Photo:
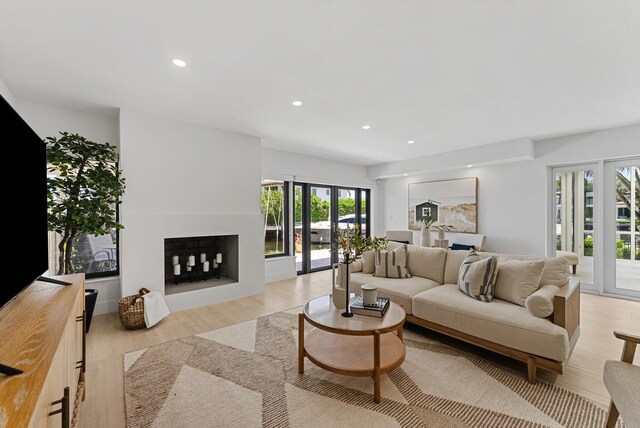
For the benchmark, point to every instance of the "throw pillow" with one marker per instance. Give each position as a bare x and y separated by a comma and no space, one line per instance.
540,303
477,276
392,264
462,247
368,262
518,279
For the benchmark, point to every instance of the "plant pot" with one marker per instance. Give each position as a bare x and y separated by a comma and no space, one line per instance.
425,238
90,298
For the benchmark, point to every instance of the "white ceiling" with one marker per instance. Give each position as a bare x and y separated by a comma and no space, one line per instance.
448,75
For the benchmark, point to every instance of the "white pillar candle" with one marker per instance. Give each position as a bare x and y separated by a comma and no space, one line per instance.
205,266
203,257
176,269
188,268
176,260
219,258
192,261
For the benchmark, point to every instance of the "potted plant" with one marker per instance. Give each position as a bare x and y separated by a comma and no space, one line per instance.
351,244
84,188
425,225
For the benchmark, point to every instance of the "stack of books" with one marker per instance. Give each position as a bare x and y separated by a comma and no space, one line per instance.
376,310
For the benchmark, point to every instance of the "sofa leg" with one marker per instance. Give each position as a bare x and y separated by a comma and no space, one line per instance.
574,268
531,369
612,415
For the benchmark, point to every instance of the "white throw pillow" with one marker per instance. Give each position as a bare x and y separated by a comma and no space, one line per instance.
369,262
518,279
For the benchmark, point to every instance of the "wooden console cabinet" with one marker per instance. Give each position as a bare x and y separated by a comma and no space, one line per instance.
42,333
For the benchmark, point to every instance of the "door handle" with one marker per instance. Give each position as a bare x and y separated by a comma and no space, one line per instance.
64,408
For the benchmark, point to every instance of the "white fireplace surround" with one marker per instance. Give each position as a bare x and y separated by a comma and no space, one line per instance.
142,254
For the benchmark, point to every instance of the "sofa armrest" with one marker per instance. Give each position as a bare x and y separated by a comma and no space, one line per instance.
566,307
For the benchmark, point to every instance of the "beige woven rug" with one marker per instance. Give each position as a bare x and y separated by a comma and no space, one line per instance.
246,375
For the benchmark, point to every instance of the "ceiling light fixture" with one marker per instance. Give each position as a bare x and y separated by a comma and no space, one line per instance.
405,174
366,127
178,62
469,166
410,142
297,103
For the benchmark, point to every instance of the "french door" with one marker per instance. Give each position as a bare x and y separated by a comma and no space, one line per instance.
319,211
622,228
596,211
575,212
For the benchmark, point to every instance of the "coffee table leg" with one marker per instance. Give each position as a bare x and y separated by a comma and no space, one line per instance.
376,366
401,332
301,343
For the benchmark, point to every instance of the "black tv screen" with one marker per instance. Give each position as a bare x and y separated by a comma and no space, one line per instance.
25,204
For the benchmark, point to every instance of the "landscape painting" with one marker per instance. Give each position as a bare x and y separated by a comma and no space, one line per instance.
449,202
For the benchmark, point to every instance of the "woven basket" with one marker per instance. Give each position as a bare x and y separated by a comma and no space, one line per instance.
131,310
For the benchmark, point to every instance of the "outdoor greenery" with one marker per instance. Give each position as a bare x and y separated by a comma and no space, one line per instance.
84,189
272,208
320,209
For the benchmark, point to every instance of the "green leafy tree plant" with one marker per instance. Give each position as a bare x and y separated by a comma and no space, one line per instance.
84,187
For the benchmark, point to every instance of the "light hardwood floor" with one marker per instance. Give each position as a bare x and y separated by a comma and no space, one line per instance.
108,341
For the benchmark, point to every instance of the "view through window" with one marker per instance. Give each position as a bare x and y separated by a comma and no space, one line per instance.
274,208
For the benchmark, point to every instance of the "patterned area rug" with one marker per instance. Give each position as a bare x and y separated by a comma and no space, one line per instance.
246,375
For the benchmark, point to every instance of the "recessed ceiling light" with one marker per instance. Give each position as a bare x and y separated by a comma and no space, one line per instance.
405,174
366,126
178,62
297,103
469,166
410,142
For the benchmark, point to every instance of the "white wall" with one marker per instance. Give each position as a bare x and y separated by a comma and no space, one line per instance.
7,94
278,164
188,180
47,121
512,198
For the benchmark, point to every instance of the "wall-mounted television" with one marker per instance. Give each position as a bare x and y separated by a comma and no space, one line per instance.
25,205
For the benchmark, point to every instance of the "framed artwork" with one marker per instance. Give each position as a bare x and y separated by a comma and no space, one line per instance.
450,202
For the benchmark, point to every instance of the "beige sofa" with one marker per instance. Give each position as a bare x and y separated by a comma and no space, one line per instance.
432,299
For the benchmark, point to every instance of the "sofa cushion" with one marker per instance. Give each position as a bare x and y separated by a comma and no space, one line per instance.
499,322
540,303
392,264
518,279
477,277
399,291
369,262
622,380
427,262
452,266
555,270
356,265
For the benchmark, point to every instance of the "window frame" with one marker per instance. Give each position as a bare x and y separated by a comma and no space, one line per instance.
116,271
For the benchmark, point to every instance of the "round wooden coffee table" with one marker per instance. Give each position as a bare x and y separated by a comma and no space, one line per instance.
357,346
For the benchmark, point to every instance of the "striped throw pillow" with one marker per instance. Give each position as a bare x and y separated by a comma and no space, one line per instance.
392,264
477,277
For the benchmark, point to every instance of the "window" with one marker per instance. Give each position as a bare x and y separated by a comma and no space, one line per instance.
275,209
95,256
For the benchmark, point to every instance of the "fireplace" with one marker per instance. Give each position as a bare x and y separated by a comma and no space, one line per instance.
198,262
